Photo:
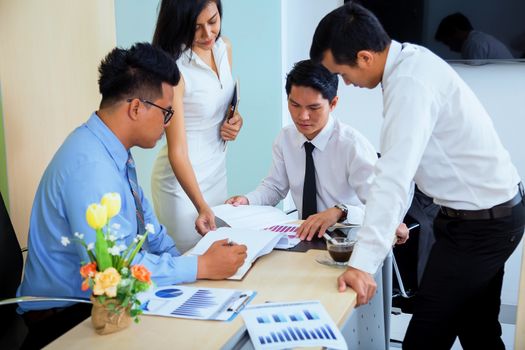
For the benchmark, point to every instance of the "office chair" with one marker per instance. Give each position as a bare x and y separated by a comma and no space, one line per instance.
411,258
12,326
400,291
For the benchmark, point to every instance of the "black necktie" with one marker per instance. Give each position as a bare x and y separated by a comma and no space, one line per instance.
133,184
309,189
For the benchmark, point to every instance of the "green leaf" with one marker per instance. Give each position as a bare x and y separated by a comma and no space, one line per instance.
101,250
137,248
91,256
135,312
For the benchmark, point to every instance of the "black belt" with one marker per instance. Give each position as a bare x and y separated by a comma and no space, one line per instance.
499,211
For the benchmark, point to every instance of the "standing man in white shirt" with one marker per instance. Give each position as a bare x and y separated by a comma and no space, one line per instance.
343,158
437,133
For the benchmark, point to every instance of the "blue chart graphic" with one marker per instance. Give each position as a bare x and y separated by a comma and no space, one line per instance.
168,293
202,299
290,332
263,319
279,318
295,318
311,315
293,333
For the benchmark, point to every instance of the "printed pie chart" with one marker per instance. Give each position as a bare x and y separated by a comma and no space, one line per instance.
168,293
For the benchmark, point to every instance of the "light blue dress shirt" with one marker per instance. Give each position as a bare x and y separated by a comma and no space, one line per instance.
90,163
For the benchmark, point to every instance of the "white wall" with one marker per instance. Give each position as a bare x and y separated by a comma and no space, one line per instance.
50,54
256,62
500,87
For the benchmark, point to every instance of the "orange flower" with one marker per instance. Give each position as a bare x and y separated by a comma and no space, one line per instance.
141,273
88,270
85,285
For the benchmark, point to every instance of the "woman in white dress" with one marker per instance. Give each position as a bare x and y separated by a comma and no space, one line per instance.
189,174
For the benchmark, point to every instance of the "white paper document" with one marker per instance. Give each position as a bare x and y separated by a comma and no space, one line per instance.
195,302
288,239
291,325
250,216
260,217
259,243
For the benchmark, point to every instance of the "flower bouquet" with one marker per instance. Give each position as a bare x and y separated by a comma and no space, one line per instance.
108,273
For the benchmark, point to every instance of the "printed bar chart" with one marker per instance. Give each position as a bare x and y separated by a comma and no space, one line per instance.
288,231
296,333
201,300
193,302
282,228
286,325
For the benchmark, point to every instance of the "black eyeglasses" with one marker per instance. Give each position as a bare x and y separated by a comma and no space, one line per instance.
168,113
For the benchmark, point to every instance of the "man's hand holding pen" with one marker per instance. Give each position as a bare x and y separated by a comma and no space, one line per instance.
221,260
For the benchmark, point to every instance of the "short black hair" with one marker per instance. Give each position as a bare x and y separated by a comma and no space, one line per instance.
451,24
313,75
137,72
347,30
175,28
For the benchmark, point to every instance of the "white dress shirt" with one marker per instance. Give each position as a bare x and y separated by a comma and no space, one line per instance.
344,162
436,132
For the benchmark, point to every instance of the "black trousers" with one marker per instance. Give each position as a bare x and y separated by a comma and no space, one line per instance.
46,325
459,295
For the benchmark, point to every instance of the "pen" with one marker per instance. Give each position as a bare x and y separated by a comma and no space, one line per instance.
244,298
243,304
412,226
230,242
329,238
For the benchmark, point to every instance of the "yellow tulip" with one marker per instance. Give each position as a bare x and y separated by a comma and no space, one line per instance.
96,216
112,203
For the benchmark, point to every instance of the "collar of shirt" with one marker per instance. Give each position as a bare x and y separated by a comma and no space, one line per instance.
112,144
391,59
192,57
321,139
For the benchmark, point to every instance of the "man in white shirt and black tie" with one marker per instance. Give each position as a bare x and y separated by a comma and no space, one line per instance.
436,133
327,165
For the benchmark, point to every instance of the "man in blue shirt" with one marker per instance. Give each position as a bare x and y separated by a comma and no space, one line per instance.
137,93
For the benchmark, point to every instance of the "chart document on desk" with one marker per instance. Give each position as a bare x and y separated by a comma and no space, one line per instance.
194,302
290,325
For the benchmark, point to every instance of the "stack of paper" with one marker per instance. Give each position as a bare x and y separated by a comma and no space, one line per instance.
291,325
260,217
250,216
194,302
259,243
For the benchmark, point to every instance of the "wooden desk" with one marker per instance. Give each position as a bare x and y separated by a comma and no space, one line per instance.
279,276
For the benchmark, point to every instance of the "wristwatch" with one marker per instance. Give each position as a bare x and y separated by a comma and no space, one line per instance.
344,209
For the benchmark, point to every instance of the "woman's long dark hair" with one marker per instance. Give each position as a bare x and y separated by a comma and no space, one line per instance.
175,29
